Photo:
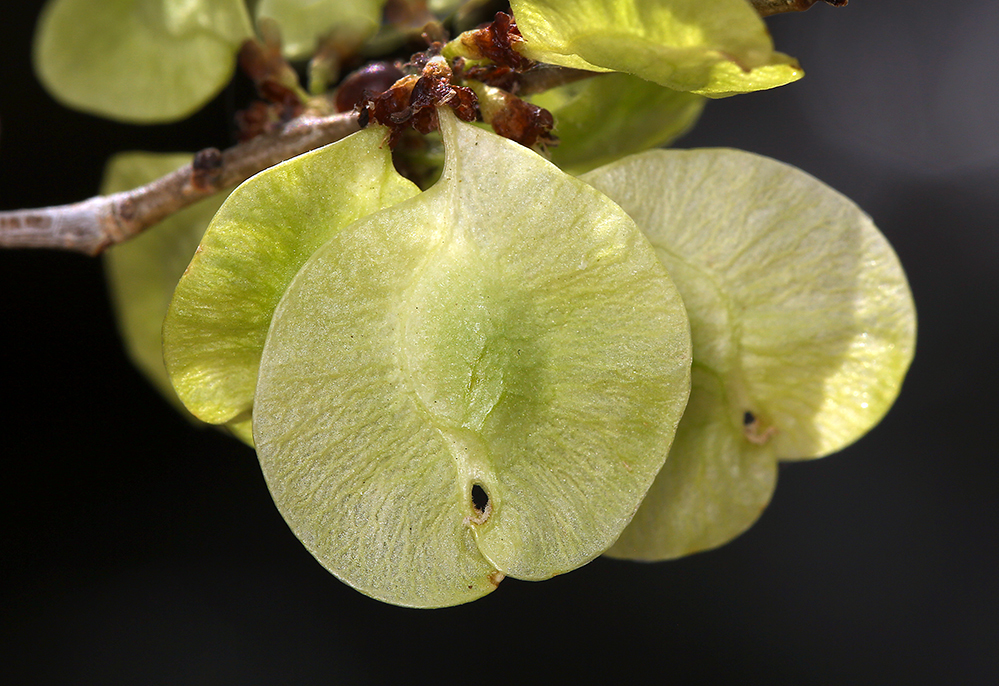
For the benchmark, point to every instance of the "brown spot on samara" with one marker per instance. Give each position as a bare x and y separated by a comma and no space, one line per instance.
755,431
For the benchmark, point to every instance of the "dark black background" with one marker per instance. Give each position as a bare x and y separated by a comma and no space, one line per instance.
137,549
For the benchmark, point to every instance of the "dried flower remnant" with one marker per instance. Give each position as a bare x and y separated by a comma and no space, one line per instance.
493,59
494,42
276,82
518,119
412,101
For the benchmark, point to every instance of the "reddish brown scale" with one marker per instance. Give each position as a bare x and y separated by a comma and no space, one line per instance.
370,80
465,104
255,60
524,123
388,106
271,74
412,102
495,41
418,61
285,98
433,87
274,79
425,121
253,121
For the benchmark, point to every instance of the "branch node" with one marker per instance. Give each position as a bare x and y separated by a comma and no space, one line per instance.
206,169
92,225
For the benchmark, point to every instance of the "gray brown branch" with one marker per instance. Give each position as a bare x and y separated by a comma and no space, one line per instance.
768,7
92,225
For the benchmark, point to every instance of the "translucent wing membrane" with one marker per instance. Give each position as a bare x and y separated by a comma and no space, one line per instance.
479,382
141,61
713,48
802,322
217,322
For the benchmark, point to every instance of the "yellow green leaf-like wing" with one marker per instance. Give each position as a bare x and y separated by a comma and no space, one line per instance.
714,484
304,23
605,118
712,48
268,227
479,382
802,322
140,61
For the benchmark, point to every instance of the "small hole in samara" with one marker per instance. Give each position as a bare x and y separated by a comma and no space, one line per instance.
480,499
